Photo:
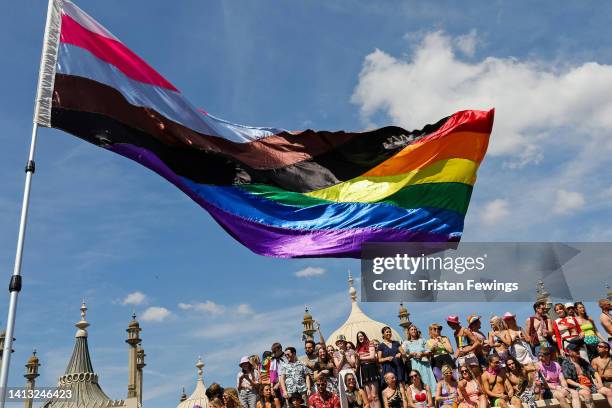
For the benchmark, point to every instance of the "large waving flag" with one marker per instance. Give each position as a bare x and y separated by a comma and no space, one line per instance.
280,193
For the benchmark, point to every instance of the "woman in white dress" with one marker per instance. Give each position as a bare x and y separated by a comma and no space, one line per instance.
519,347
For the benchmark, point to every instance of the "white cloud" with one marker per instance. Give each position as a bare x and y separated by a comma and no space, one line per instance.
495,211
530,97
568,201
244,309
209,307
467,43
155,314
310,271
134,298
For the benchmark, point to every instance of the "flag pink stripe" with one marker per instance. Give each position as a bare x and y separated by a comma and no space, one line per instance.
111,51
85,20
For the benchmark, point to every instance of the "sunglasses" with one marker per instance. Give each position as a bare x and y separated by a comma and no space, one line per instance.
437,329
414,376
465,372
602,346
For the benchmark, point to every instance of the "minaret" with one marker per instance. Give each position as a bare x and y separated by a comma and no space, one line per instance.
404,318
308,324
352,290
183,395
543,295
140,364
31,374
133,332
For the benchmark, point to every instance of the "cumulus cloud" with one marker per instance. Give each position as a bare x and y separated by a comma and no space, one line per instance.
208,307
310,271
532,98
568,201
134,298
244,309
155,314
495,211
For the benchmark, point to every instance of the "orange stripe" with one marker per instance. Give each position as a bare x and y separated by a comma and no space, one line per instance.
462,145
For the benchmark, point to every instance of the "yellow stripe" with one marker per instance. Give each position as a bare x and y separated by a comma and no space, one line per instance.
368,189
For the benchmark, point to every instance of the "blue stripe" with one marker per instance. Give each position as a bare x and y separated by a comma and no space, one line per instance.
327,216
77,61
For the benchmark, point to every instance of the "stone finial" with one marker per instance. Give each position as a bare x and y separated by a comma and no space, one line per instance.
200,365
82,325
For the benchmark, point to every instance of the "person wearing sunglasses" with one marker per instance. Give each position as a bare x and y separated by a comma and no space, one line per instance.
418,393
471,394
446,390
603,363
441,350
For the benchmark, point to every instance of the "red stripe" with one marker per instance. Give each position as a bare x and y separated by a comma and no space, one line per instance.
111,51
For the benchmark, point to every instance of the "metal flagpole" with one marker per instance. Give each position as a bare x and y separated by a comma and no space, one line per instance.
41,116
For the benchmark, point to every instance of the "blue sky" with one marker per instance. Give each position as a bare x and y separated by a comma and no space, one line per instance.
101,227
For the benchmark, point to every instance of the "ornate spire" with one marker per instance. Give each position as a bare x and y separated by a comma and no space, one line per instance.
308,324
82,325
183,395
200,365
32,367
352,290
404,318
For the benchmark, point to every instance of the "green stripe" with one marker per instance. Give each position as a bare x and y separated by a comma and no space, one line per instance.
448,196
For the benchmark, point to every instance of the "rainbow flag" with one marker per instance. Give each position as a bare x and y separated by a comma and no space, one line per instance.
280,193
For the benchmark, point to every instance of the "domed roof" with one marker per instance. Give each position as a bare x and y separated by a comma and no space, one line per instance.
198,398
358,321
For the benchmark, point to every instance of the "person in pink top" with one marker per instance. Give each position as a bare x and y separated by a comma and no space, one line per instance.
551,380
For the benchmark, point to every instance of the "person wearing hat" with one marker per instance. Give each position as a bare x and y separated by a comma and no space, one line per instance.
345,362
519,347
467,342
603,363
247,381
581,376
441,350
570,309
475,324
567,330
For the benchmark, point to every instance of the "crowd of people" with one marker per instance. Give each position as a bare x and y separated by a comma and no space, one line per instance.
566,358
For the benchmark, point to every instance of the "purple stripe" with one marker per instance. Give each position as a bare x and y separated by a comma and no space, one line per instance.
281,242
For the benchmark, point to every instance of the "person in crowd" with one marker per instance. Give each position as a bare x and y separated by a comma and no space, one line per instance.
603,363
345,361
519,347
256,364
523,381
538,328
310,356
230,398
355,396
296,400
470,391
350,345
276,361
467,343
475,325
325,365
552,381
570,309
393,395
567,331
294,375
323,398
591,335
376,343
247,381
418,393
419,354
604,318
477,373
214,393
266,398
497,387
446,389
368,371
499,339
581,376
330,351
390,357
264,367
441,350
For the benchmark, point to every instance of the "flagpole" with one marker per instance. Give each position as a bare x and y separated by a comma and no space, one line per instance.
42,111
